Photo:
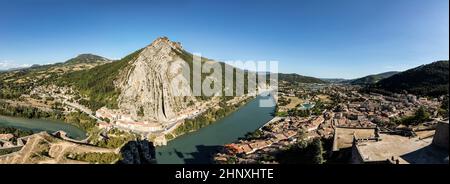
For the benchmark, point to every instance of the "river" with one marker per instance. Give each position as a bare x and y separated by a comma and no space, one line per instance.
197,147
38,125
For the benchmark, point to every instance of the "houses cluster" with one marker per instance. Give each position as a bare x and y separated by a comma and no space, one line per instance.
361,126
366,110
114,118
360,132
277,134
143,126
122,120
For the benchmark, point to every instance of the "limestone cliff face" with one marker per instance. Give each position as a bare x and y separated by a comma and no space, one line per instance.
150,87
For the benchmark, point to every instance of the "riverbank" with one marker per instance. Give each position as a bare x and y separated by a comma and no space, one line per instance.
78,119
207,118
38,125
199,146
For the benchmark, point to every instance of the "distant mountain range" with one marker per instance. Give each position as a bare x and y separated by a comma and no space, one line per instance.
333,80
12,69
371,79
96,76
427,80
296,78
80,59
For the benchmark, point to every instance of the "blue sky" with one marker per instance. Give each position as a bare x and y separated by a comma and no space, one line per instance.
321,38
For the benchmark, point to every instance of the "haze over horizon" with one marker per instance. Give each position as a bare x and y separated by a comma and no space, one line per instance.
324,39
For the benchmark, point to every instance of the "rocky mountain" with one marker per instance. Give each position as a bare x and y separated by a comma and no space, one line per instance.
147,88
147,83
154,86
371,79
427,80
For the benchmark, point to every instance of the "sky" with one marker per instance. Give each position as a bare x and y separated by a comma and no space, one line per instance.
320,38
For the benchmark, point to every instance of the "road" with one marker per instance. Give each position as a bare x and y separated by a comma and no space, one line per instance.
82,109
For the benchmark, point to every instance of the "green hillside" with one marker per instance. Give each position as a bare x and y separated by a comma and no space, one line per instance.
371,79
426,80
295,78
98,83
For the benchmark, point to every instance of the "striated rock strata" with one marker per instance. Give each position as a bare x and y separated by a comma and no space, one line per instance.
150,87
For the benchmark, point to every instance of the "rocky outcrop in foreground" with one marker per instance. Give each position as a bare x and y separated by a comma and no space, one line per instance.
138,152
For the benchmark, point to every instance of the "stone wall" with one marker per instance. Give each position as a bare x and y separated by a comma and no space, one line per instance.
440,138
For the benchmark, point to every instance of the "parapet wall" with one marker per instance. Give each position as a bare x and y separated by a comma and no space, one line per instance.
440,138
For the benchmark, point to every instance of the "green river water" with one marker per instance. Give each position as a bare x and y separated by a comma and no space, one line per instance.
38,125
197,147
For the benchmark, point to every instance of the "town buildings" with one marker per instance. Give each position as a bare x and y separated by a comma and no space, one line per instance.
363,128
